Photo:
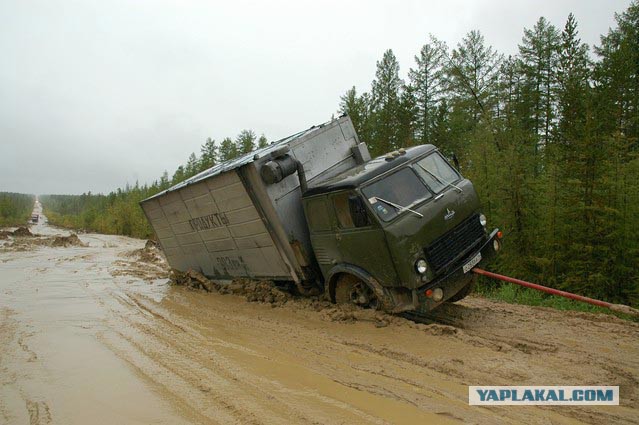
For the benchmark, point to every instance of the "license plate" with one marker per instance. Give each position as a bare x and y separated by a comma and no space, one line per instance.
472,263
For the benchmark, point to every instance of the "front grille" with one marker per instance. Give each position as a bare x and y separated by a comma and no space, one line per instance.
454,244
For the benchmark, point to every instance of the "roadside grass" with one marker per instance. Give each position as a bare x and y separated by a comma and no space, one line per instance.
515,294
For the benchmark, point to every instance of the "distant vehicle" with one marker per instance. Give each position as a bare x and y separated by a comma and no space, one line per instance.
34,218
400,232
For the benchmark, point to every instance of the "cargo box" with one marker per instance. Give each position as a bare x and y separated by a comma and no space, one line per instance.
228,222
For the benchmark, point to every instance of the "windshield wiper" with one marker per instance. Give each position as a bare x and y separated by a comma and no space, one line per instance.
399,207
439,180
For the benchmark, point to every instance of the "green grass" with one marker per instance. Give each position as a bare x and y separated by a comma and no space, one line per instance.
515,294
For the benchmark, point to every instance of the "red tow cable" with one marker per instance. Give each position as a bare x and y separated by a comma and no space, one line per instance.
615,307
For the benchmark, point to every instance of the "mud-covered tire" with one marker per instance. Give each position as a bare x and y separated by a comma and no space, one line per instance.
352,290
464,292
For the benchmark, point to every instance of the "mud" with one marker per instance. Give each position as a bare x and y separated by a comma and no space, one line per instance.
98,334
66,241
22,241
22,232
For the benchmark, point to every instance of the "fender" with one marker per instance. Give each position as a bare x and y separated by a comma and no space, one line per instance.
382,294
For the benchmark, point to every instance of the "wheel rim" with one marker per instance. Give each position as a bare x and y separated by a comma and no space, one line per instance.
351,290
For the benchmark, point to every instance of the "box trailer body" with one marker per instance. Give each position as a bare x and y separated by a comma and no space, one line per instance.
227,223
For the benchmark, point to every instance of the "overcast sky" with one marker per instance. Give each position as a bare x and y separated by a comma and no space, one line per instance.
95,94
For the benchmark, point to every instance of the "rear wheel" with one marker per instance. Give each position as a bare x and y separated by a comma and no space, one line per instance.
464,292
352,290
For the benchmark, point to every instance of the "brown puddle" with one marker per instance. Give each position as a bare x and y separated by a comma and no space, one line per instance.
95,334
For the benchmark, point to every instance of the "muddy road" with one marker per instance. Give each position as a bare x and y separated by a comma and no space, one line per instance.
92,333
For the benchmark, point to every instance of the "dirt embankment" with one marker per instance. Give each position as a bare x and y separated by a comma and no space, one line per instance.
98,332
22,239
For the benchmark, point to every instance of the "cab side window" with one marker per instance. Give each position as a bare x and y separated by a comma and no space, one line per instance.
350,211
318,215
342,211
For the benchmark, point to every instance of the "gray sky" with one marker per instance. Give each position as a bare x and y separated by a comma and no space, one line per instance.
95,94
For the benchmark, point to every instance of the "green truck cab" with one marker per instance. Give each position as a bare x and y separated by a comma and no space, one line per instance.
400,232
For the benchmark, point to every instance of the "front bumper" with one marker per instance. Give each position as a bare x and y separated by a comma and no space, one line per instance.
456,279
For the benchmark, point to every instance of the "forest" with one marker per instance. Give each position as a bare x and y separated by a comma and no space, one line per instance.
15,208
548,136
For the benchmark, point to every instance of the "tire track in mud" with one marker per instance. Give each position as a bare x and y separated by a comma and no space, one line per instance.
201,326
16,350
39,413
392,386
188,360
503,367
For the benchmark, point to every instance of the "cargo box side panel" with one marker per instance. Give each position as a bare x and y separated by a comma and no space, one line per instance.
164,232
217,230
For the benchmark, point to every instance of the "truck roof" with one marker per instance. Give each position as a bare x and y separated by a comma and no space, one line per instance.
242,160
360,174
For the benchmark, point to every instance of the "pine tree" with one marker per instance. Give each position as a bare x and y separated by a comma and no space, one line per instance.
245,141
617,75
208,154
357,108
179,175
427,82
262,142
228,150
582,221
539,54
192,166
385,106
406,117
473,76
164,181
616,94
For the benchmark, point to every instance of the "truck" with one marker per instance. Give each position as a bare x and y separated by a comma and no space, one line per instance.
399,233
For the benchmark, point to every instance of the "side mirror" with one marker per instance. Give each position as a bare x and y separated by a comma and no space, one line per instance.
358,211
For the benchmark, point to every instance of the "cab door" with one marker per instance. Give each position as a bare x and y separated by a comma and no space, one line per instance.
321,223
360,239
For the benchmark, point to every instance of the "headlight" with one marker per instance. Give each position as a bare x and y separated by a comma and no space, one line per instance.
421,266
482,220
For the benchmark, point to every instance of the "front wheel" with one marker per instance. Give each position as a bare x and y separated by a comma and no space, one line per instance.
464,292
352,290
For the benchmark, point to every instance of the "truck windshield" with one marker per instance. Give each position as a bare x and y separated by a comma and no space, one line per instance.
402,188
436,172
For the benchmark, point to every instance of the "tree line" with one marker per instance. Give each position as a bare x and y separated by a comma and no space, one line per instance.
15,208
119,211
549,137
